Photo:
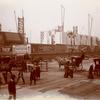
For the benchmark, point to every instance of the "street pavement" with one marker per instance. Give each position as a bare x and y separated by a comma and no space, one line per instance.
53,86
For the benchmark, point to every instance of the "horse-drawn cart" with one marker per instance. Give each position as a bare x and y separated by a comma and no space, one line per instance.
76,62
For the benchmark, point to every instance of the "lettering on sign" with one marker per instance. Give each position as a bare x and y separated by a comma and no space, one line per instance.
46,48
6,49
21,49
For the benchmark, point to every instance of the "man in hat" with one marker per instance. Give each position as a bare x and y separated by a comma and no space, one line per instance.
12,88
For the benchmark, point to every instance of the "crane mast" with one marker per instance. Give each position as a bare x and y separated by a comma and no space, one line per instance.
15,21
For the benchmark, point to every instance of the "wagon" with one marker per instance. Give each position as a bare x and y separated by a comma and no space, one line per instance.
76,62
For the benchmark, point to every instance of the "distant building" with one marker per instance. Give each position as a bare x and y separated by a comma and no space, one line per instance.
80,39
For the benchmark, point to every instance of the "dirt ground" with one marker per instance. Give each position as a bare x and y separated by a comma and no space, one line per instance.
77,88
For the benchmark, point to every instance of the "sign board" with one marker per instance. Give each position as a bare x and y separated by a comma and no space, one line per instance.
45,48
21,49
42,48
6,49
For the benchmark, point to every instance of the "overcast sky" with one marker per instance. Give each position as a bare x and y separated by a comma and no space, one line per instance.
44,15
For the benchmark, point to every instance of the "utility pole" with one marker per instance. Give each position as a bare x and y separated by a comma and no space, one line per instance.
15,21
91,32
62,37
90,21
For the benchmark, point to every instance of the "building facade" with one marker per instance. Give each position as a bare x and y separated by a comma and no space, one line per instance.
79,39
7,39
10,38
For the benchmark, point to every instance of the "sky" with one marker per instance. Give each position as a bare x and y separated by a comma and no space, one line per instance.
45,15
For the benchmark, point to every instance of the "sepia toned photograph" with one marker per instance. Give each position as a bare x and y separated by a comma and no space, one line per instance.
49,50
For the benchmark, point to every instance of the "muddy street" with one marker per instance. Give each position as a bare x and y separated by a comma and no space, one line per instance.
52,84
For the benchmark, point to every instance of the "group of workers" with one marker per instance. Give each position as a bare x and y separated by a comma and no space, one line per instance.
14,79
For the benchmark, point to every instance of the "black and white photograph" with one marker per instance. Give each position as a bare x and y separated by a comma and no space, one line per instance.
49,50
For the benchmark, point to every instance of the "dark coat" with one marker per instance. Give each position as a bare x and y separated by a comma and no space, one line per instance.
38,71
12,87
90,76
33,75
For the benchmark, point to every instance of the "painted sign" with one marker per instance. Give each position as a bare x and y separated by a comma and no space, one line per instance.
21,49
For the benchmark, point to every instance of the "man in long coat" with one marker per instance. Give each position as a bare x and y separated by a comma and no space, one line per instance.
12,88
33,76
